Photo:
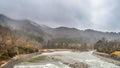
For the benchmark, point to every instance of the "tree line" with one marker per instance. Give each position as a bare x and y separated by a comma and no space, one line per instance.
68,43
106,46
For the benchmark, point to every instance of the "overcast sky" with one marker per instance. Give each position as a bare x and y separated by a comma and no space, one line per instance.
103,15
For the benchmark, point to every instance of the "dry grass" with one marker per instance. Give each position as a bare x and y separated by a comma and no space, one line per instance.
115,53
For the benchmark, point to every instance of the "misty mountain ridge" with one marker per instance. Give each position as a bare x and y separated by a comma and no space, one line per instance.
26,26
33,28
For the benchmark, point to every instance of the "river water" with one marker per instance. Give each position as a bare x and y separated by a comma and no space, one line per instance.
85,57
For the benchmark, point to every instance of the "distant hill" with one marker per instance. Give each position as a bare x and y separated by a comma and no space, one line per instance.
28,27
88,35
25,26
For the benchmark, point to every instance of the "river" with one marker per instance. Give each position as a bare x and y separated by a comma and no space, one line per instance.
85,57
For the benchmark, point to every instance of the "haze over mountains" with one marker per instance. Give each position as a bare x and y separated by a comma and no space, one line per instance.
30,27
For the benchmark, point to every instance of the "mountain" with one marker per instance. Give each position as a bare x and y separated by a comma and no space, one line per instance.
66,32
47,29
88,35
27,27
24,26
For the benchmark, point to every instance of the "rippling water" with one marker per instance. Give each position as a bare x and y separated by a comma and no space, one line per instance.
85,57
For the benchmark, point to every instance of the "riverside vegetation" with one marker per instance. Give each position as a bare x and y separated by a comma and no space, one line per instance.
12,44
109,47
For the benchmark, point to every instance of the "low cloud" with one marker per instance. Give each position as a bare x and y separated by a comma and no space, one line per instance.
82,14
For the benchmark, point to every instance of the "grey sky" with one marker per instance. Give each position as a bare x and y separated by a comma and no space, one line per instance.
83,14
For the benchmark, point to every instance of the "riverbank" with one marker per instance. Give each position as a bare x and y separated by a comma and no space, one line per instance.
107,57
9,63
17,59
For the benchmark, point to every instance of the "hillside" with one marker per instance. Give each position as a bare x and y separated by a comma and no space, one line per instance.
12,44
88,35
25,26
32,29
